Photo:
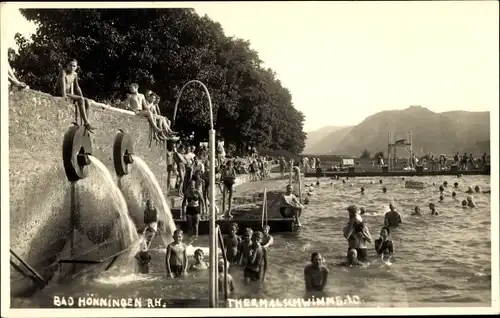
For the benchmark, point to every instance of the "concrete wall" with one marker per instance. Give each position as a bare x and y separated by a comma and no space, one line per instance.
40,191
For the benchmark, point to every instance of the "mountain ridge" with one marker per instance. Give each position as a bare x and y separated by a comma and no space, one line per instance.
447,132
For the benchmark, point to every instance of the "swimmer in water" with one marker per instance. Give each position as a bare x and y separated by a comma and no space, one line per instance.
143,258
432,207
445,184
384,246
176,259
343,181
416,211
384,189
454,195
464,204
477,189
392,218
255,268
232,244
229,281
380,181
455,184
441,189
149,234
362,211
244,250
315,274
317,183
199,263
362,190
469,190
357,235
306,200
470,202
441,198
267,239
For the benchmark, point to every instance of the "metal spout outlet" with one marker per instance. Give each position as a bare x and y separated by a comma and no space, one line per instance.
77,147
123,150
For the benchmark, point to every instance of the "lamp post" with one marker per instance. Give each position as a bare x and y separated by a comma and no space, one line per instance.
212,233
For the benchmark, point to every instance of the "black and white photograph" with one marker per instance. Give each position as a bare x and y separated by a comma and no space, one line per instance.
232,158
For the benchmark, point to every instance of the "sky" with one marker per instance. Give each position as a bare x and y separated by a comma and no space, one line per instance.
344,61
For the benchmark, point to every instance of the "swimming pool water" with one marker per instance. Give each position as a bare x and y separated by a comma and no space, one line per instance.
438,259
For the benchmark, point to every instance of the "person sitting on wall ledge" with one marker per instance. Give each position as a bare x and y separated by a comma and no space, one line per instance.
14,81
138,104
67,84
161,121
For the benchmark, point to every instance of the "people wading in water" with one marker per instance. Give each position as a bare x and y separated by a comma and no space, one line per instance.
228,178
357,235
176,260
392,218
192,207
290,206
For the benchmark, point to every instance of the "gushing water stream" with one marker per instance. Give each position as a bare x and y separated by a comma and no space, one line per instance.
125,226
158,198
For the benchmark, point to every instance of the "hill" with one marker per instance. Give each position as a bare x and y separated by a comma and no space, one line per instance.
448,132
313,137
328,143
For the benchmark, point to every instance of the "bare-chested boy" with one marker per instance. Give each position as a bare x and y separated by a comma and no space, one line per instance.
315,274
255,268
290,205
162,122
137,102
67,84
232,244
244,250
267,239
176,258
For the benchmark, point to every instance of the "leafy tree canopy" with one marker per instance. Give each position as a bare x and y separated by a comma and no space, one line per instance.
161,50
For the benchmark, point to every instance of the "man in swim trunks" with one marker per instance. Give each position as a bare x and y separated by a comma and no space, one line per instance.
232,244
67,84
228,178
357,234
290,206
255,268
392,218
176,259
180,162
384,246
315,274
192,207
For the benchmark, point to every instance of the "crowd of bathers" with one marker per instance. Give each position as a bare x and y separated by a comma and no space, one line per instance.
358,236
248,252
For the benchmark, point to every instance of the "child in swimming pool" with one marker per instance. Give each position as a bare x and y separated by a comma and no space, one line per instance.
232,244
176,259
199,264
416,211
464,204
432,207
383,245
244,249
143,258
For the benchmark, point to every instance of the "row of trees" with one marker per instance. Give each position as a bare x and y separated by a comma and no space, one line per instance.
162,49
367,155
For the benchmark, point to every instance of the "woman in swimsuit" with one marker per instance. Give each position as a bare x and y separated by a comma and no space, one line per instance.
228,177
192,208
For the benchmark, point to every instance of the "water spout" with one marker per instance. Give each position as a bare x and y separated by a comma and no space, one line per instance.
123,149
77,147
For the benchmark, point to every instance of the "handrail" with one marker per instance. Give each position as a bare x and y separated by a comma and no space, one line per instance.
224,257
37,277
264,209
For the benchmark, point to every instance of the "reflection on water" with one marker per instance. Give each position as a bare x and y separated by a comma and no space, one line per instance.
438,259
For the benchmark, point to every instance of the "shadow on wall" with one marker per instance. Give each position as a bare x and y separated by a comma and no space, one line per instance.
40,192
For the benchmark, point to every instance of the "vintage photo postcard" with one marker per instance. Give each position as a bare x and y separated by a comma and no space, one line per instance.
249,158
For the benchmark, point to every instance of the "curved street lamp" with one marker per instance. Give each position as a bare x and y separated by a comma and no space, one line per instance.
213,290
